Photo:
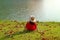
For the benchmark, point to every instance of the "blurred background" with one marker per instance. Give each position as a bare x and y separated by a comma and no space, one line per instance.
43,10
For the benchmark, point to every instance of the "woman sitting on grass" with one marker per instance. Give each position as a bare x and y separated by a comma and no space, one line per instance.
31,24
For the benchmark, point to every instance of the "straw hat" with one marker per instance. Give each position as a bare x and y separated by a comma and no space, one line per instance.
32,18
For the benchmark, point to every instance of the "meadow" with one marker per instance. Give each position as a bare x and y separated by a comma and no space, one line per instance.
14,30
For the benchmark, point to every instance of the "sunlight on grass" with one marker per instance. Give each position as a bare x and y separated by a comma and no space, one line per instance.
14,30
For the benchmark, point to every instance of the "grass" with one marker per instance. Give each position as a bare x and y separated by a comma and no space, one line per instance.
14,30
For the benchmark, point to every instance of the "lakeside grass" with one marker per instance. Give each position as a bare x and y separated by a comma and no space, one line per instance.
14,30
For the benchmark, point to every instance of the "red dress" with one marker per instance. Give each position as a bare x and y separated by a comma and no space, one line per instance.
31,27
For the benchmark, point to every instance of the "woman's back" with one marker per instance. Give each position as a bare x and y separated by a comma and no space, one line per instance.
31,26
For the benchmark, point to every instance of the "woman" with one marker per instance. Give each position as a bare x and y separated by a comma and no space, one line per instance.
31,24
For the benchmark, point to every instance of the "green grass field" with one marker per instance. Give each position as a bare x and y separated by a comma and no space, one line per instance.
14,30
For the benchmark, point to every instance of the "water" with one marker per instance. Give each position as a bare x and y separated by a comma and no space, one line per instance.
22,9
18,9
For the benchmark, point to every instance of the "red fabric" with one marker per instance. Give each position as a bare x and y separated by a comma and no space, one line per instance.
30,26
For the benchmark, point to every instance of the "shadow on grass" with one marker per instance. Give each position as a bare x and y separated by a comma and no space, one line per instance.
17,33
23,32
